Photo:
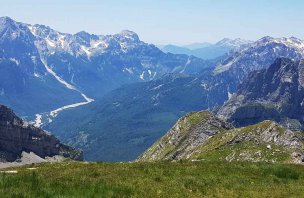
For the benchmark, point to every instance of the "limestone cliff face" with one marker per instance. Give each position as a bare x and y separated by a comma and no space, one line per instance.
202,136
17,136
274,94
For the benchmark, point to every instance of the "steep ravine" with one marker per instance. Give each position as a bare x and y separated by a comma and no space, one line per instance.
47,116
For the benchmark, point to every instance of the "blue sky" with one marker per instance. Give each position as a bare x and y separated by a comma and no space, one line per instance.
166,21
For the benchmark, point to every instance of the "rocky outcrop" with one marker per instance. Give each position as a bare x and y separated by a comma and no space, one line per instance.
202,136
186,135
276,93
266,141
17,136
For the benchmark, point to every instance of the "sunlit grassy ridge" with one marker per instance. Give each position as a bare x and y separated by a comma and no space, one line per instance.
161,179
201,136
220,148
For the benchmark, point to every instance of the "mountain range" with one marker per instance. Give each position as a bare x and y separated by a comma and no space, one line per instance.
53,69
207,50
114,95
143,112
265,98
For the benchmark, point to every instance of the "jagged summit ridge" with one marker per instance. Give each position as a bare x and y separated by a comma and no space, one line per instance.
261,53
81,43
237,43
44,58
129,35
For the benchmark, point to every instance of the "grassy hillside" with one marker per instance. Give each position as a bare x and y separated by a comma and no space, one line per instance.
162,179
265,141
185,136
202,136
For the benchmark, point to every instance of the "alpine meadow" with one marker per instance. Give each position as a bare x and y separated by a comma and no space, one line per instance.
151,99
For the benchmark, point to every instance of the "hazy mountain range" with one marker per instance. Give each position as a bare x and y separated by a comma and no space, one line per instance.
143,112
52,69
208,50
114,95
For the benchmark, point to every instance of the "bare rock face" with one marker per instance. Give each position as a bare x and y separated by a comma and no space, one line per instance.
266,141
276,93
17,136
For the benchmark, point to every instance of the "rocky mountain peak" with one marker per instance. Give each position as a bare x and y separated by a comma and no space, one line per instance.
9,29
233,43
42,31
265,39
128,35
6,21
85,37
291,42
276,81
275,93
260,54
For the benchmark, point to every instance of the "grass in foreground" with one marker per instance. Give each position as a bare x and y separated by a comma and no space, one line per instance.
163,179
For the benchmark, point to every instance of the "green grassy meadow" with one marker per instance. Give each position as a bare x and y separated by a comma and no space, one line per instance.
161,179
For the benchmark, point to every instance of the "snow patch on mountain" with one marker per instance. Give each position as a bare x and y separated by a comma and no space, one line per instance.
49,70
54,113
128,70
81,43
15,61
157,87
188,63
86,50
50,43
142,75
265,50
38,120
233,43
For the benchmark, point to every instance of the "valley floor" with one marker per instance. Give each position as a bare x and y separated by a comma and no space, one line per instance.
162,179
